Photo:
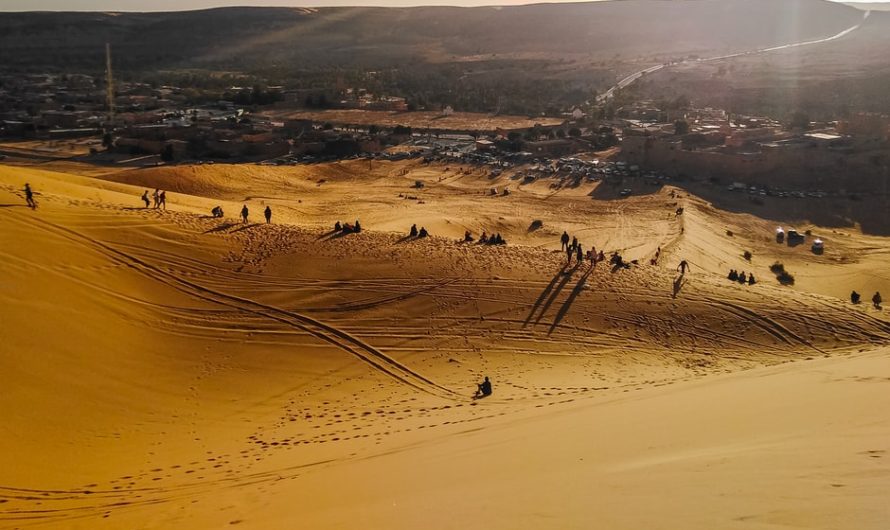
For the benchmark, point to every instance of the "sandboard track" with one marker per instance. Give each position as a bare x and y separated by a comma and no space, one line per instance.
320,330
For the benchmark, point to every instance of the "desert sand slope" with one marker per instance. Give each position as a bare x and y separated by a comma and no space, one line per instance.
163,369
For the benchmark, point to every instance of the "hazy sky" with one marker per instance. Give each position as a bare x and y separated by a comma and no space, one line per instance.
178,5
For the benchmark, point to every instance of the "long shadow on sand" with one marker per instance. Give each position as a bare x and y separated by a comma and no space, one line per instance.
679,282
221,228
544,294
567,276
569,301
246,227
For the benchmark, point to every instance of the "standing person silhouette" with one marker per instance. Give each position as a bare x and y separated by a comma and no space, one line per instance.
268,214
156,198
565,240
145,198
244,213
162,200
683,267
29,197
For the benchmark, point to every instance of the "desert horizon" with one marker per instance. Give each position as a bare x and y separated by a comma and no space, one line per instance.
623,272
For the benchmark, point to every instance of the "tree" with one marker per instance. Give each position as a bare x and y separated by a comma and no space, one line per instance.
681,127
799,120
167,153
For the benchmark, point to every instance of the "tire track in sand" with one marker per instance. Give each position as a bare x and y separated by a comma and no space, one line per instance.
342,340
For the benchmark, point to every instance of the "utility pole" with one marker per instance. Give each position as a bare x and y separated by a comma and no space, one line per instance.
109,81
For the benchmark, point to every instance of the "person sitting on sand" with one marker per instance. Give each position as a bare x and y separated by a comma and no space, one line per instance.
733,275
751,280
423,232
565,239
601,256
145,198
483,238
217,211
743,278
468,236
484,388
855,297
338,226
876,300
268,214
413,231
358,227
244,213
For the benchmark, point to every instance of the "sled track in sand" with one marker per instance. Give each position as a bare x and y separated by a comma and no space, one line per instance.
320,330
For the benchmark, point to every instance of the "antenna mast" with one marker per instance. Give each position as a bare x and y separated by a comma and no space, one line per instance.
109,80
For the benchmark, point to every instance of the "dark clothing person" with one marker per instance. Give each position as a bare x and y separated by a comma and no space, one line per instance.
574,243
565,240
751,280
601,256
156,198
733,275
743,278
468,236
484,388
855,297
683,267
268,214
337,226
244,213
483,238
217,211
162,200
358,227
29,197
413,231
423,232
569,254
876,300
579,254
145,198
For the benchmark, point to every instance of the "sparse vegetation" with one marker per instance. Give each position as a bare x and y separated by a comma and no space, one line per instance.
784,277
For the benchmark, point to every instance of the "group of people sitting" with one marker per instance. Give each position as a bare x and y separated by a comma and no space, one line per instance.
348,228
741,277
414,232
485,239
876,300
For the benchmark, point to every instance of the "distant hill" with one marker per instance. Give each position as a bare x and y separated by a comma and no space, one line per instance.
297,38
870,6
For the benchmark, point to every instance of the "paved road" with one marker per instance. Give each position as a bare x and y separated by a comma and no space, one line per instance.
608,94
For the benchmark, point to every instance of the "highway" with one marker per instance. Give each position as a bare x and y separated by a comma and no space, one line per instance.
630,79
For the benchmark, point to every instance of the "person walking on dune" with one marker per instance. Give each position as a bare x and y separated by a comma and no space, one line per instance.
565,240
569,251
683,267
156,198
268,214
244,213
579,255
574,242
162,200
876,300
29,197
145,198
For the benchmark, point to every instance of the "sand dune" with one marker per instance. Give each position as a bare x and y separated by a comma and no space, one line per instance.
163,369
